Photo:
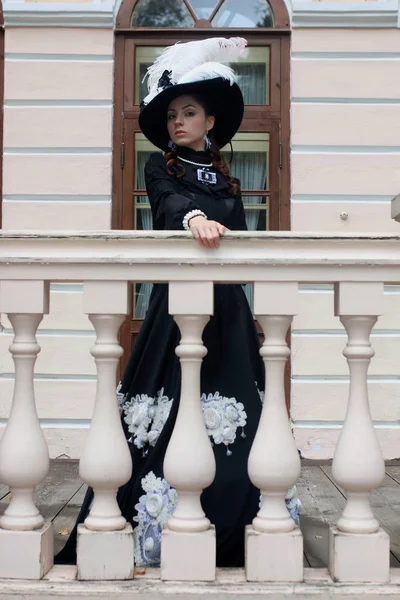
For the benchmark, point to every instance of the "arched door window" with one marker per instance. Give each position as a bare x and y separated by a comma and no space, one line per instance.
261,147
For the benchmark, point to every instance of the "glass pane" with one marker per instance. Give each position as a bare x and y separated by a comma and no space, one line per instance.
144,57
252,79
168,13
203,8
256,211
253,74
236,13
250,160
251,168
141,297
143,216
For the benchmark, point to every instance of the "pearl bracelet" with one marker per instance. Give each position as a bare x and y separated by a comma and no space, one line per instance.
190,215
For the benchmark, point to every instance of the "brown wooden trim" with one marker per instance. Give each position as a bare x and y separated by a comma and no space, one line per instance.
273,212
117,175
190,9
130,128
284,217
280,13
216,9
125,13
130,73
186,33
275,74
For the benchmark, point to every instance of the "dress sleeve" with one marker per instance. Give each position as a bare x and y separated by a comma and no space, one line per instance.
168,204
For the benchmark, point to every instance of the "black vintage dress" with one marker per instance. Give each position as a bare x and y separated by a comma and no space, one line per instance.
232,384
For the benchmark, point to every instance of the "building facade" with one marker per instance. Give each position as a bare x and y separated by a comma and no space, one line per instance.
318,151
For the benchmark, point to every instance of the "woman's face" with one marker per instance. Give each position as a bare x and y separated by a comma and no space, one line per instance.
188,123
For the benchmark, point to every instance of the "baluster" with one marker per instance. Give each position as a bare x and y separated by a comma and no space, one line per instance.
26,541
274,546
359,548
188,549
105,540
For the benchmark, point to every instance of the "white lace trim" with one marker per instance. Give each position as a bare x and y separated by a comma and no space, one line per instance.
154,509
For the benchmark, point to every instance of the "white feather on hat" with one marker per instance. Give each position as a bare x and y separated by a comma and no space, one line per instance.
194,61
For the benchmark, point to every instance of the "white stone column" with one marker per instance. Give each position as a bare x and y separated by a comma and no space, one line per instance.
105,540
26,541
274,545
359,548
188,549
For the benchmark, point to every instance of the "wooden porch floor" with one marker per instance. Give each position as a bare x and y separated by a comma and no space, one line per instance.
61,494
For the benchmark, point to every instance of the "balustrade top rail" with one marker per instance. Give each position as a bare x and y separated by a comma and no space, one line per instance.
161,256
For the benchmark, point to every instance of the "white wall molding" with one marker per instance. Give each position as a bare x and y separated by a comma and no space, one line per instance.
99,14
380,13
102,14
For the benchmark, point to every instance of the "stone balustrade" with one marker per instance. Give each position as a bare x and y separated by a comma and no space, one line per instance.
276,263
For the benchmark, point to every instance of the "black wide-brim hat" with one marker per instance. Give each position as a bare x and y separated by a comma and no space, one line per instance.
223,100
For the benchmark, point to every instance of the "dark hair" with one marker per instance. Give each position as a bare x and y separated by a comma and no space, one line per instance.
219,163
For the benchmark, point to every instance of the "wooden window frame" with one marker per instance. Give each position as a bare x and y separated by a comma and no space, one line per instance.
275,116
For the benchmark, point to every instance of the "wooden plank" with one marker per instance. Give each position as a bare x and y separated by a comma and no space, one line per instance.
3,490
394,472
60,485
385,502
321,506
65,520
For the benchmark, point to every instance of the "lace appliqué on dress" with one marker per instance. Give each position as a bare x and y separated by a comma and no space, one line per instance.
121,397
145,416
154,509
222,417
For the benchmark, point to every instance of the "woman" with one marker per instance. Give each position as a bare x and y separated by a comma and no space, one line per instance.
191,112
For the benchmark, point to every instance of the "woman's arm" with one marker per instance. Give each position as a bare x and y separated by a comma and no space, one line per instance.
173,208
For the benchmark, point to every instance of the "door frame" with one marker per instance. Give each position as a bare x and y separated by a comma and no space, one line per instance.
126,114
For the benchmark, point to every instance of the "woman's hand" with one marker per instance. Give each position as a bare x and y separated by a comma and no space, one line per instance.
206,232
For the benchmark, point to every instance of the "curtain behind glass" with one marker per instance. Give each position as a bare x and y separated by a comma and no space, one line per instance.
251,169
143,289
252,81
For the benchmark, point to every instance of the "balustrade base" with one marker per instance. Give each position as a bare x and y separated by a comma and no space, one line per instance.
105,555
26,554
187,556
273,556
359,558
